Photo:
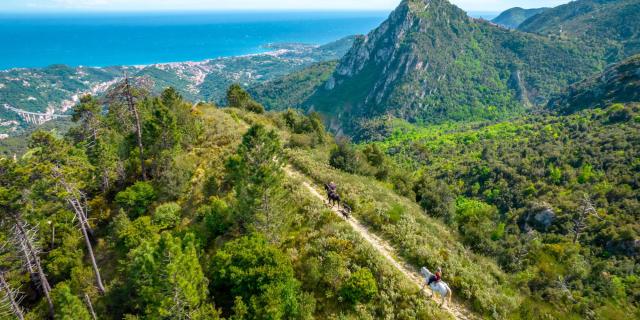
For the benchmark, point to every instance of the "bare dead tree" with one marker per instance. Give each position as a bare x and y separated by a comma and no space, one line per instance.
77,200
10,302
580,218
129,93
132,107
74,197
24,241
87,300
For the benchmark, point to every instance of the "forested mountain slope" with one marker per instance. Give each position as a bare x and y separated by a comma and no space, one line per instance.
189,213
553,198
618,83
611,24
513,17
293,89
430,62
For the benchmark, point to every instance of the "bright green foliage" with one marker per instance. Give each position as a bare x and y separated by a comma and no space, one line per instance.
166,278
360,287
258,273
477,222
217,218
524,180
136,199
130,234
68,306
167,215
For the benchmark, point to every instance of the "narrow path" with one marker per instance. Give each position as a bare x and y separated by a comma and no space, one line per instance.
458,311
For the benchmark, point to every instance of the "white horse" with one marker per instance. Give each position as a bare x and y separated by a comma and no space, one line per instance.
440,287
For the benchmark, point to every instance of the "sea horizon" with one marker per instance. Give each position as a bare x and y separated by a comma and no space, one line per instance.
38,40
105,39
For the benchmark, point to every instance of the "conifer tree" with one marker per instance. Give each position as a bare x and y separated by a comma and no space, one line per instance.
256,172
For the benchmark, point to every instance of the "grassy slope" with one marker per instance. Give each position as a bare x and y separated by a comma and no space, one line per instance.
316,232
421,240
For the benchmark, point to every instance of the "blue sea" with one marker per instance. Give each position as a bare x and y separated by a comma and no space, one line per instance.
92,39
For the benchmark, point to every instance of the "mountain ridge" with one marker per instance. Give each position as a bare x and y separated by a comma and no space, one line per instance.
611,24
618,83
418,62
513,17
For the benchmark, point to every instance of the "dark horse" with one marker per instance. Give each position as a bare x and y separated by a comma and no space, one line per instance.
332,195
334,198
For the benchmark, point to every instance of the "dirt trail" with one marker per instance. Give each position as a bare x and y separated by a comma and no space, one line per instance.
458,311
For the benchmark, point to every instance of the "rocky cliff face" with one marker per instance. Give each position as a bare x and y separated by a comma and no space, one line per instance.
431,62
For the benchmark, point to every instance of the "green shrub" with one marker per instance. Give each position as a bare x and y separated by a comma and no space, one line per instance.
301,141
477,222
360,287
68,306
346,158
254,107
217,218
435,197
136,199
167,215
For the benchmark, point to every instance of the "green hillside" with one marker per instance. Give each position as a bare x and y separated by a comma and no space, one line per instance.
513,17
429,62
619,83
214,215
611,24
292,90
554,199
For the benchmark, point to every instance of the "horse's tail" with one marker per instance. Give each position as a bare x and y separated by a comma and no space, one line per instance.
450,293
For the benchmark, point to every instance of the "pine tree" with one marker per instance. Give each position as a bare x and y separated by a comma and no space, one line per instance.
256,171
167,279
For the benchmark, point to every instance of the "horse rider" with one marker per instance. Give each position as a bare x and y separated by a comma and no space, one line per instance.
333,187
436,277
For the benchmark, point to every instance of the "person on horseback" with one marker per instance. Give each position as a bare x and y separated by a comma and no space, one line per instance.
333,187
332,193
436,277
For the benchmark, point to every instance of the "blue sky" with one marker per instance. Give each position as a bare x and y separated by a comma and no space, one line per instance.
162,5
